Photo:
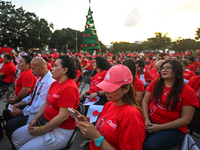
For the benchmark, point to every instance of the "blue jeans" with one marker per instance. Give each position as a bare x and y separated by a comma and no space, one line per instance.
164,140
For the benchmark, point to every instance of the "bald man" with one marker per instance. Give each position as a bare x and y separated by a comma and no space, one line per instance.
34,101
155,71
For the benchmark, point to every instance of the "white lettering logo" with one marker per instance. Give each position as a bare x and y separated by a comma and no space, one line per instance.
112,124
107,76
56,96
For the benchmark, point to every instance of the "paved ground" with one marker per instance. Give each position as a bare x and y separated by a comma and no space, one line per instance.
5,144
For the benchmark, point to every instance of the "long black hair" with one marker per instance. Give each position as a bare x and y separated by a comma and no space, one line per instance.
176,88
102,64
131,65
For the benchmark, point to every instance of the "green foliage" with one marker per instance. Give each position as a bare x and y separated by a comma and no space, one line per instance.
65,37
21,28
197,34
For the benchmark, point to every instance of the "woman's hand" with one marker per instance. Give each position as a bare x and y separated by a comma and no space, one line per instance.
92,95
147,123
33,131
32,123
81,117
88,130
82,95
152,128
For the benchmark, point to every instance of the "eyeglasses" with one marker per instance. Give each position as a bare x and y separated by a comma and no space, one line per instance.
165,69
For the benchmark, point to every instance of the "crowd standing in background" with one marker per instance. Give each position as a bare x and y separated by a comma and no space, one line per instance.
162,87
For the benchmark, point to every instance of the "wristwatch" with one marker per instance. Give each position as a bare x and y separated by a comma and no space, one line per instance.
97,93
98,141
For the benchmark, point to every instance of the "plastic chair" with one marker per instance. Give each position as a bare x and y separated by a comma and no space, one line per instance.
87,81
81,109
4,88
194,126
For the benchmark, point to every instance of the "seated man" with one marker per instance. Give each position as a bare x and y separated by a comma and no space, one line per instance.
7,71
87,69
35,99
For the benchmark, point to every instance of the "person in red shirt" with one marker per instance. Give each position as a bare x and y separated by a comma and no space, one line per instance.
168,108
187,74
26,80
48,64
120,125
129,54
190,66
195,63
108,54
79,70
94,95
137,83
63,94
141,74
194,83
122,54
88,66
7,71
155,71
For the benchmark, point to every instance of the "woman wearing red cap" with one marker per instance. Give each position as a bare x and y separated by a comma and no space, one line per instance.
121,123
168,107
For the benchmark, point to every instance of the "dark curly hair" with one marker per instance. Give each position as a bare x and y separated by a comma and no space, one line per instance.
102,64
68,62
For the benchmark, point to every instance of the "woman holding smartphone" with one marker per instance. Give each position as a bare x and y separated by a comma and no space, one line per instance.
120,125
168,107
52,126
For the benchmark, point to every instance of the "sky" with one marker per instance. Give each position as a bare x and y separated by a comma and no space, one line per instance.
121,20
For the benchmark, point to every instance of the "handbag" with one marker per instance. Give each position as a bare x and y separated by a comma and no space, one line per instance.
42,121
189,143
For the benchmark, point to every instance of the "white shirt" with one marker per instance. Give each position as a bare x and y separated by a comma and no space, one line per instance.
40,96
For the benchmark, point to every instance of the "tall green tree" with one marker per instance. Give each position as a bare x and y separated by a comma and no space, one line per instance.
65,37
159,41
21,28
197,37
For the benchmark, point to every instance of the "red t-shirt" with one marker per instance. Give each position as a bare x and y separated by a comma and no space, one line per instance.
129,55
144,77
154,73
78,75
96,80
188,74
9,71
194,84
138,84
65,94
90,67
151,65
122,126
25,79
191,67
49,67
83,63
196,64
158,112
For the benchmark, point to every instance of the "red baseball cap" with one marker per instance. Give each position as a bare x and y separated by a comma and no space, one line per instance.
116,76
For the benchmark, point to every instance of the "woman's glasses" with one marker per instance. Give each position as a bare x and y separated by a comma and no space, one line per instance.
165,69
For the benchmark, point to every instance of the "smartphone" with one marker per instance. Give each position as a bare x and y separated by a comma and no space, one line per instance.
11,107
72,112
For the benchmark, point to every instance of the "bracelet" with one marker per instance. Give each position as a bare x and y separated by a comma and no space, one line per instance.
39,131
21,113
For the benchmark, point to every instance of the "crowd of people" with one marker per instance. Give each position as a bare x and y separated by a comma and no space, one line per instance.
135,101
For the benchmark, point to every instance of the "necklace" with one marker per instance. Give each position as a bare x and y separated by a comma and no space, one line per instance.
166,92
